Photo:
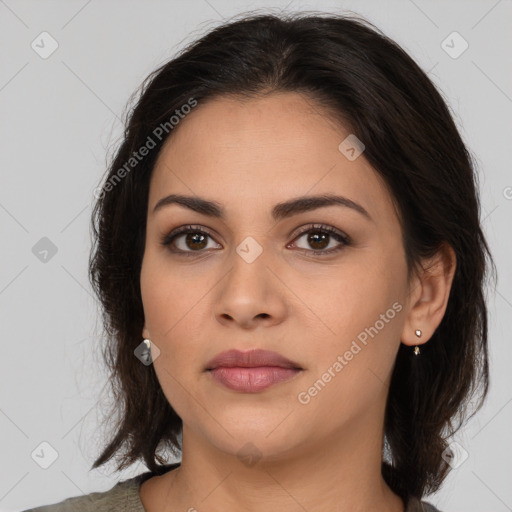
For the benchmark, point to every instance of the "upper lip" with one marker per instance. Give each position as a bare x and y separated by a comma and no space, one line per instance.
250,359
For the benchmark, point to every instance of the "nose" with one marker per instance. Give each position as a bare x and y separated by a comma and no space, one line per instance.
250,294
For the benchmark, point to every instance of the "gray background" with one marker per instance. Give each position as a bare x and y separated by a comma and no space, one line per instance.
61,114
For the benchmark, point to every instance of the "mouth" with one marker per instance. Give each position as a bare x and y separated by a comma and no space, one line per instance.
251,371
256,358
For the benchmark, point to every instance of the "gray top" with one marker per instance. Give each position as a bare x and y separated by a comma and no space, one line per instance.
124,497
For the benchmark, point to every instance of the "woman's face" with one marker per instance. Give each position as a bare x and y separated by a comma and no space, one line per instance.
255,281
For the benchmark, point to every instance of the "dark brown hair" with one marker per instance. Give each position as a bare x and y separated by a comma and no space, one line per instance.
365,79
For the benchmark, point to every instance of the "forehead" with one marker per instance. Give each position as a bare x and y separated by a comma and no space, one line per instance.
247,153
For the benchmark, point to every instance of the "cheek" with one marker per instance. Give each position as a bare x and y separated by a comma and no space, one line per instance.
351,370
351,300
361,321
166,296
175,314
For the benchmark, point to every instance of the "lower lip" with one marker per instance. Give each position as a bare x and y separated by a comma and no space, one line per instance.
251,380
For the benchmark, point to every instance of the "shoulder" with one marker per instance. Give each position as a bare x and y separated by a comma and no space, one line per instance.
123,497
427,507
415,505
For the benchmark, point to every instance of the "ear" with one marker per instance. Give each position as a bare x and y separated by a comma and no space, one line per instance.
429,296
145,332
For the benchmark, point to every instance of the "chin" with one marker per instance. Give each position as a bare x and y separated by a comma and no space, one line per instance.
251,443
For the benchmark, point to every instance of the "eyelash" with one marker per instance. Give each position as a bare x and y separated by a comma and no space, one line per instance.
315,228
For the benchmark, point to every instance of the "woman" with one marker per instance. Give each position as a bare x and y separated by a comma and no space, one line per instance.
291,265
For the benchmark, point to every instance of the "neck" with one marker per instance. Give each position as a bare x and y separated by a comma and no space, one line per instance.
343,473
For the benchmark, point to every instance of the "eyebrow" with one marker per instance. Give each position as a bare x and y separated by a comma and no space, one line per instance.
279,211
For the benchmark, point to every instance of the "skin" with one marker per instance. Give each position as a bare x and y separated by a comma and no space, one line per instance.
326,454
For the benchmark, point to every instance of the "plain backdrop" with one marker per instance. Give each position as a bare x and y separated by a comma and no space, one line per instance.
61,114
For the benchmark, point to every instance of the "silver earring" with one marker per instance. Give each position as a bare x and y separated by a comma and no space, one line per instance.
416,348
147,342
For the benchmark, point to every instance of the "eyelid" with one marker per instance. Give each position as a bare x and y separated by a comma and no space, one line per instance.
320,227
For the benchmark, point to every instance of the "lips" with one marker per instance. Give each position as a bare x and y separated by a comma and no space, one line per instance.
250,359
251,371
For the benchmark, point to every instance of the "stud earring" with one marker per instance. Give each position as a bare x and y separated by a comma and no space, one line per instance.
416,348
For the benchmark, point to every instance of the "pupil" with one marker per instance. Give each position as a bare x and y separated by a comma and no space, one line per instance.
195,237
313,240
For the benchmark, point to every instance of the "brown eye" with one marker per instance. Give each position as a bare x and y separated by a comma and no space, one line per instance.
318,238
191,240
195,240
187,240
